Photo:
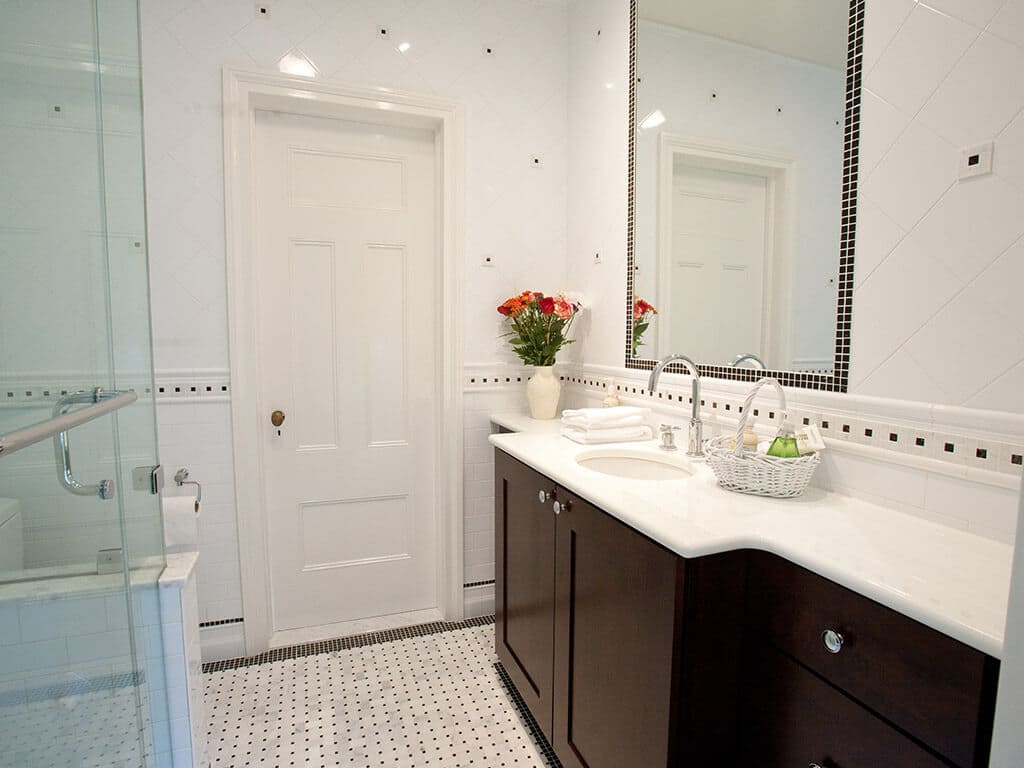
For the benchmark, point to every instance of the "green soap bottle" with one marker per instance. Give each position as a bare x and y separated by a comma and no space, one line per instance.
784,445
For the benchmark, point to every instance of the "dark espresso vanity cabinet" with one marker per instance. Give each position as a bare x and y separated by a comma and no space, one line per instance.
627,654
596,624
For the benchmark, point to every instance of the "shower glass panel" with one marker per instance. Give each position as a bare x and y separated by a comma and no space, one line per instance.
81,659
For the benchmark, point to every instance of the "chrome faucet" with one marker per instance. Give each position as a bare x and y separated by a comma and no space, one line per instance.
696,443
756,361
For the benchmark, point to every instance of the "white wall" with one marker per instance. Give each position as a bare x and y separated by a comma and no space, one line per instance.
679,70
938,262
515,98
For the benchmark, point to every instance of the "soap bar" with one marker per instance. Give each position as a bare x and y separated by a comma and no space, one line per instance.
808,440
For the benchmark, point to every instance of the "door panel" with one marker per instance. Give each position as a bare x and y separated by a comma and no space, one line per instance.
525,583
616,626
347,245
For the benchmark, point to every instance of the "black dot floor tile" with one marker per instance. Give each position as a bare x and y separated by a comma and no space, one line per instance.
417,698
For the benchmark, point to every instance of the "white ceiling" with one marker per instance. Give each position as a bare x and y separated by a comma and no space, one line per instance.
811,30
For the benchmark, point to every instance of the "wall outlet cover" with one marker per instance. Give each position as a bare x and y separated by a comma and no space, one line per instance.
976,161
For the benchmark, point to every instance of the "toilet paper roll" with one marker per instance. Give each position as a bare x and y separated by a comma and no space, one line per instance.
181,523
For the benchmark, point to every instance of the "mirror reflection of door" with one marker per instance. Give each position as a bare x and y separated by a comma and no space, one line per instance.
718,249
750,99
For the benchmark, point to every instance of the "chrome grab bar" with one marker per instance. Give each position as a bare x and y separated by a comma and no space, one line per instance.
62,440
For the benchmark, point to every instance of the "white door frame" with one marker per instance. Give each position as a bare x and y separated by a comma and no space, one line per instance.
780,171
244,93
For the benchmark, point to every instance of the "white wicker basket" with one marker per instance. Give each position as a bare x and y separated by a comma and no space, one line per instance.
754,473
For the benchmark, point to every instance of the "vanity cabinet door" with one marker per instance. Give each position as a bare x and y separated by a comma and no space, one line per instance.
616,639
525,582
793,718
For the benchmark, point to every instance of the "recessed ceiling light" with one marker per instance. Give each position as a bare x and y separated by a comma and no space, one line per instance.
653,120
297,64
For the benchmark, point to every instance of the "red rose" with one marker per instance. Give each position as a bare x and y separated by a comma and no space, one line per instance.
505,309
547,305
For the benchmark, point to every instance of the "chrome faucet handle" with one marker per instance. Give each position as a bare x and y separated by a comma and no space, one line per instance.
668,437
695,449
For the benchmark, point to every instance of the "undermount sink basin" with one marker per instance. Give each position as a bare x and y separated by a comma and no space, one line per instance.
636,464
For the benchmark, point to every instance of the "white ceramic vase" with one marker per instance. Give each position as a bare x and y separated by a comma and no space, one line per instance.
542,392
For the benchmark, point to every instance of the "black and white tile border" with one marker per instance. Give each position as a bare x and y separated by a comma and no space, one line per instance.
192,386
344,643
541,742
836,381
1004,457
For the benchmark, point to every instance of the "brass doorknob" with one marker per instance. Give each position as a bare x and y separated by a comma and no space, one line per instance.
277,418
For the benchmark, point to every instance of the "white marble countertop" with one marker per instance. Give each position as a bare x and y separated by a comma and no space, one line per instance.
953,581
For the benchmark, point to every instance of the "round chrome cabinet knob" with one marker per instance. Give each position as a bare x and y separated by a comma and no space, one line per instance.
833,641
561,507
545,496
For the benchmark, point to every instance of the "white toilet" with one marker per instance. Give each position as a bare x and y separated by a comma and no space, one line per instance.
12,542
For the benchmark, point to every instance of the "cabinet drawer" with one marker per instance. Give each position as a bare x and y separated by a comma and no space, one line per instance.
936,688
795,719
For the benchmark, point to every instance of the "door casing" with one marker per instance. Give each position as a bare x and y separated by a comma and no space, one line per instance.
244,93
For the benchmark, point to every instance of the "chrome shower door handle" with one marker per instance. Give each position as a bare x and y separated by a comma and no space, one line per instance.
104,489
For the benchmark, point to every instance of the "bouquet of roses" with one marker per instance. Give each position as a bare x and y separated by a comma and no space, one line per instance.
643,314
539,325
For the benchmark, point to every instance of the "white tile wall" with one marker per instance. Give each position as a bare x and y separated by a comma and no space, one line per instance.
183,673
945,76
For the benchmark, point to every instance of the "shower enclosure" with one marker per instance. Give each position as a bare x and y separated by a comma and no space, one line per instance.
81,544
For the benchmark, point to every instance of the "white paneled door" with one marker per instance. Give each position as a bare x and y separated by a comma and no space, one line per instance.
347,264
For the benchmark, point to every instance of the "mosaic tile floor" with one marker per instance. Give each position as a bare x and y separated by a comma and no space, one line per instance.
418,700
90,729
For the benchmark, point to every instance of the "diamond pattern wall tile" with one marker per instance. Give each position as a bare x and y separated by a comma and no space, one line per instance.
981,96
1009,22
980,357
917,170
918,59
976,12
973,223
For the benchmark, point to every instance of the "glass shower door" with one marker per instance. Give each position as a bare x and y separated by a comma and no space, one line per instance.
81,546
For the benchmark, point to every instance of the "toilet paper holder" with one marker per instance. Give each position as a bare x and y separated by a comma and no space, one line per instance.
181,478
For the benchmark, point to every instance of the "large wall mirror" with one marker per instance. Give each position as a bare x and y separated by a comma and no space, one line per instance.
743,178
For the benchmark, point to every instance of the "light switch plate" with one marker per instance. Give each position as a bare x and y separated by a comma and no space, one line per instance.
976,161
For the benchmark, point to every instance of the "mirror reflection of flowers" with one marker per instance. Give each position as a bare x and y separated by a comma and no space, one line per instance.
643,314
539,325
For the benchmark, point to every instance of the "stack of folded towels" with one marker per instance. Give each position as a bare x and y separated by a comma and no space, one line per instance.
620,424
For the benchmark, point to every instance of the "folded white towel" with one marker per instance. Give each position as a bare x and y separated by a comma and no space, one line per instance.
611,435
599,418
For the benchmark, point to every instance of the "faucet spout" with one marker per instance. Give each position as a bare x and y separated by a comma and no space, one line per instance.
696,447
